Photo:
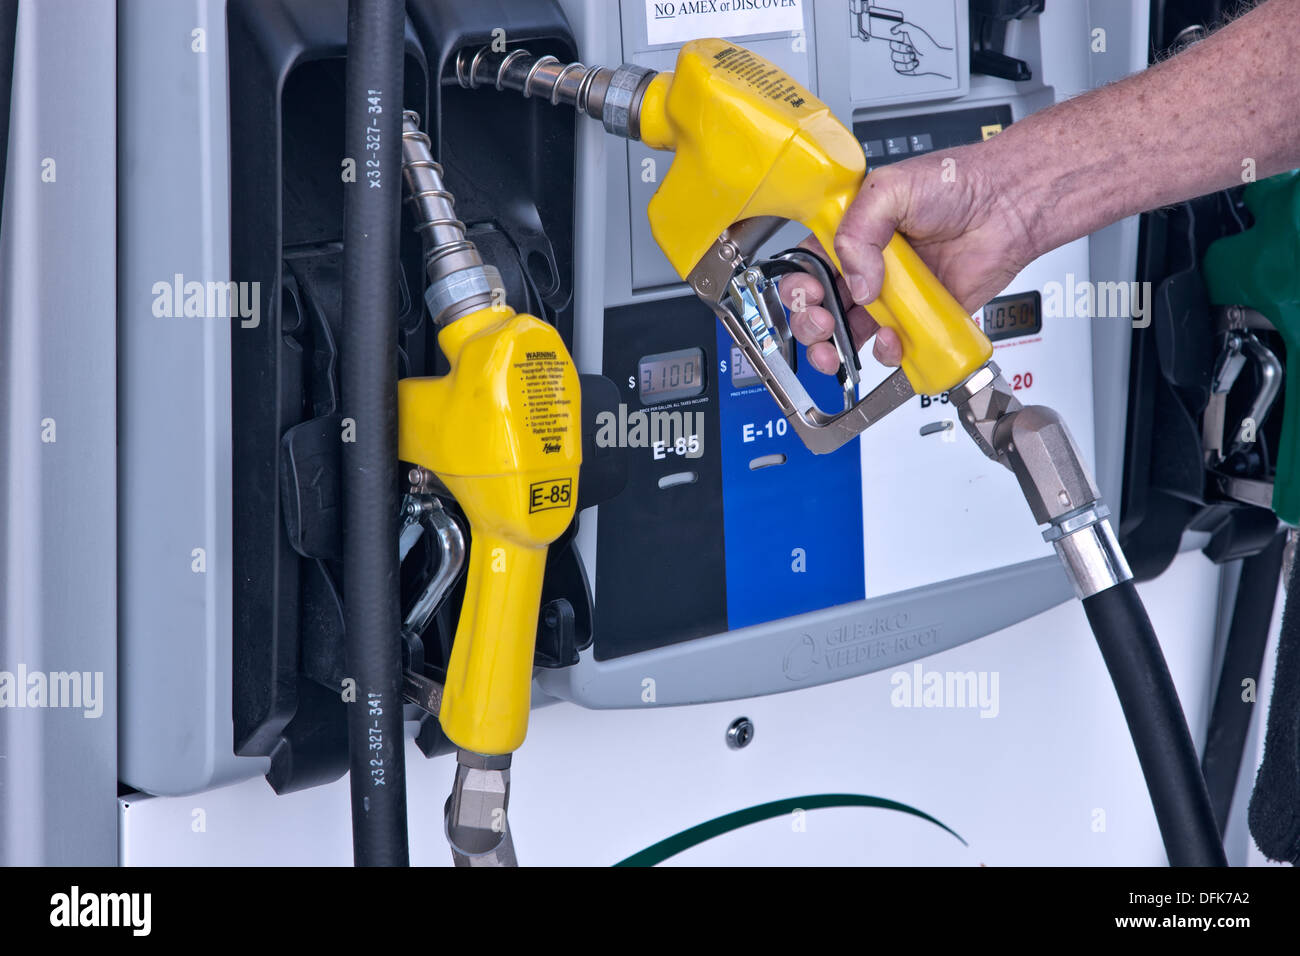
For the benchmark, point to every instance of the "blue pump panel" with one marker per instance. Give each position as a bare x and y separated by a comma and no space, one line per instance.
792,520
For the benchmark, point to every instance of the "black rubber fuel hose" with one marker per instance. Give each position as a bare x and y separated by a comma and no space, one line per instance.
1159,729
371,224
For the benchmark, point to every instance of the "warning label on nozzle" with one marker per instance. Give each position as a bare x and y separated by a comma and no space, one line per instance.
760,76
548,409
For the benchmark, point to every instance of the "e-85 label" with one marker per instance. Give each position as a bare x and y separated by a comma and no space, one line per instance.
545,495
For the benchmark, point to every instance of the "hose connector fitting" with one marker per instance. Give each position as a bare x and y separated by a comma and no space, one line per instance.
1086,544
1035,444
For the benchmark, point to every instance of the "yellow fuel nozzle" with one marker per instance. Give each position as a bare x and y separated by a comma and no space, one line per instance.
502,430
751,142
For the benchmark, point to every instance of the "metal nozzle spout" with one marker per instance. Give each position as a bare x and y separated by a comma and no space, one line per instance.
459,281
611,96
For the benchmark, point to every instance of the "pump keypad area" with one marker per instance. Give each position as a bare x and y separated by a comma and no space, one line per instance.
887,141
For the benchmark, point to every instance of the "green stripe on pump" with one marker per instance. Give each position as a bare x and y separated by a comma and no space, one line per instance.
696,835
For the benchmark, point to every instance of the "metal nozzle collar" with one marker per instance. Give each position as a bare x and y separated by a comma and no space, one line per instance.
459,293
1092,558
621,111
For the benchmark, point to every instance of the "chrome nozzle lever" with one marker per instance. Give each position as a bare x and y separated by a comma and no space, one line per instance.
756,300
1241,347
423,514
745,299
801,260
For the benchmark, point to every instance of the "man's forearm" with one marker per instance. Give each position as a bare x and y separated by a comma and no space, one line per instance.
1180,129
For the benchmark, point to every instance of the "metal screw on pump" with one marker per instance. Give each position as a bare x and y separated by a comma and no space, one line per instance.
740,733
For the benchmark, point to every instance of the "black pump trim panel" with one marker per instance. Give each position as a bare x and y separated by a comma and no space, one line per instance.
514,188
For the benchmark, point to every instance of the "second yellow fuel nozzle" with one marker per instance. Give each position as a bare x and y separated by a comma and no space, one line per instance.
753,150
500,433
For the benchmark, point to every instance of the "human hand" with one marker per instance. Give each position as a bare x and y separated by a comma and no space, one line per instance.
962,224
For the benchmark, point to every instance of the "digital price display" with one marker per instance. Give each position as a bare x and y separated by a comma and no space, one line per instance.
743,374
1011,316
669,376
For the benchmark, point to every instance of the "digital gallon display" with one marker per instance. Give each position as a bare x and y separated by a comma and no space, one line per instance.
1010,316
669,376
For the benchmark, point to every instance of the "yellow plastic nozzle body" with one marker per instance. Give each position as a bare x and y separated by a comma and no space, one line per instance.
750,141
502,431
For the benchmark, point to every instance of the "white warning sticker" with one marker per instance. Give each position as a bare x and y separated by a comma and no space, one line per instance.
677,21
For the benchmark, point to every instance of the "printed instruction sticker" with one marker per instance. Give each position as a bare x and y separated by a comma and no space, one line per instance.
677,21
547,405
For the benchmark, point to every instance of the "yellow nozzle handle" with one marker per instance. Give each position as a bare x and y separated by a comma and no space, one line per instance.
489,677
941,345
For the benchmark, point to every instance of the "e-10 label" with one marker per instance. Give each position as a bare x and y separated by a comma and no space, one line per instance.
769,429
545,495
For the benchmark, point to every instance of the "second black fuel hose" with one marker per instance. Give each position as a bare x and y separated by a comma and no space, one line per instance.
1155,720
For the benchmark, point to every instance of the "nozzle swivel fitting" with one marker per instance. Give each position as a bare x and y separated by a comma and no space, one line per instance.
478,830
1034,443
611,96
459,281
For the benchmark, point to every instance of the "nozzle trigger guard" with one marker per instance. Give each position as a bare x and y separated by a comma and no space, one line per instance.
801,260
744,298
